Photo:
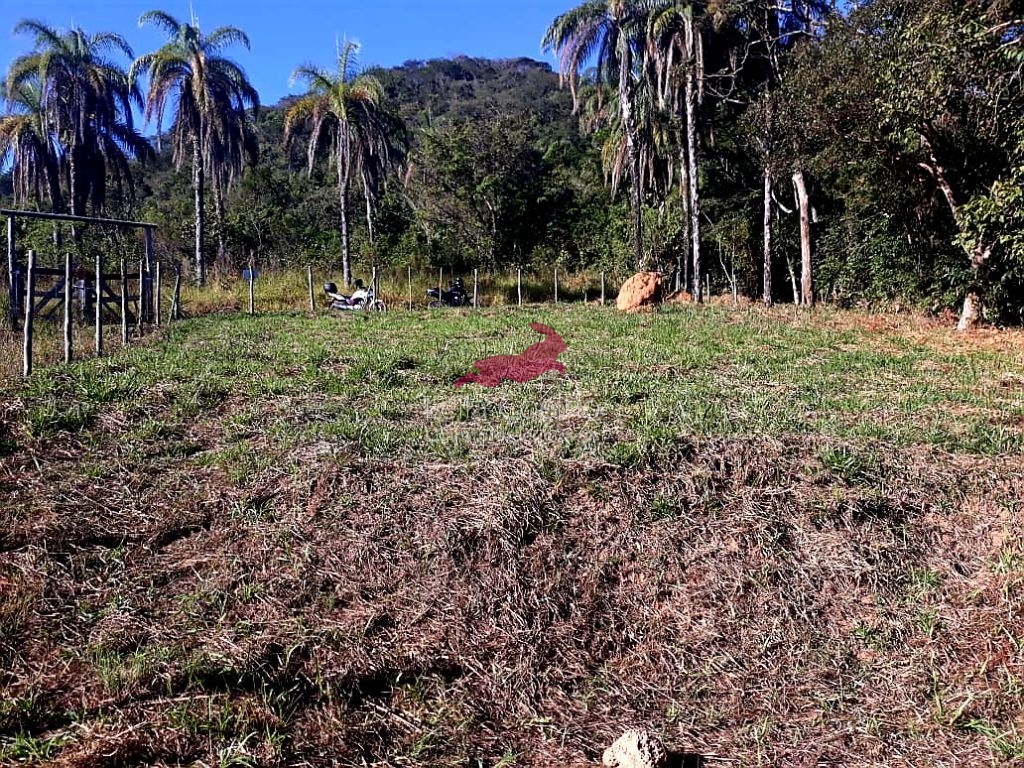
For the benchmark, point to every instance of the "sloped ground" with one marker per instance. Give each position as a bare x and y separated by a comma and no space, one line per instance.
285,541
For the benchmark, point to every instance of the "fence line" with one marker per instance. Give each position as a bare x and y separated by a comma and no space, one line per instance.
397,287
95,295
101,297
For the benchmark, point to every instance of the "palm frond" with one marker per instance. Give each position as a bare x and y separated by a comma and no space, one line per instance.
170,25
222,37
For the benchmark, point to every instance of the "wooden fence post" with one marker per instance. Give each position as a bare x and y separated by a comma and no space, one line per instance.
99,306
602,289
410,289
440,286
556,285
30,287
474,287
175,313
124,302
67,308
309,281
142,298
252,287
374,283
156,295
11,281
519,284
150,304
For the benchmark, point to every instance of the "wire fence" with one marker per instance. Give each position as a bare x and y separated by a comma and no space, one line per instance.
408,288
67,316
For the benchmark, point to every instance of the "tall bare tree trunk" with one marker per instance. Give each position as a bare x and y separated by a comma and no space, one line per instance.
198,187
637,204
368,197
369,220
792,280
683,258
636,199
974,301
343,179
73,183
218,212
691,151
806,281
767,236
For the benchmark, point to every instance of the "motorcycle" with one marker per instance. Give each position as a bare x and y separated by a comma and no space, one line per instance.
455,296
361,298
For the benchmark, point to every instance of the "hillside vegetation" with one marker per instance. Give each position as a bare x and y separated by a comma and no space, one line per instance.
773,538
864,154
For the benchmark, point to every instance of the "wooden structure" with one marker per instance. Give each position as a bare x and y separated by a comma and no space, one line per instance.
127,298
100,290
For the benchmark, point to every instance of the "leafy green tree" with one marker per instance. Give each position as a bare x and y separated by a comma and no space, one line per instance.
951,99
476,190
232,145
933,88
346,112
206,90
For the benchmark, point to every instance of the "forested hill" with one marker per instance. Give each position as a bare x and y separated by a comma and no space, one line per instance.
465,87
471,88
492,169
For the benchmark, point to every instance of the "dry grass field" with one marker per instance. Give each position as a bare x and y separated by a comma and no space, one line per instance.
774,538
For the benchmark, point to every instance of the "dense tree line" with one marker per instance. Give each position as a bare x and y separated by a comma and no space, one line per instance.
789,151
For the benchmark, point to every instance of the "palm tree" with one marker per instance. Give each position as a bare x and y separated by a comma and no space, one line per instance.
655,138
203,86
676,62
615,32
346,113
87,100
232,145
387,149
29,146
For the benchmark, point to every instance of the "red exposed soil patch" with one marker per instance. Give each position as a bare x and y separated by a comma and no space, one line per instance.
526,366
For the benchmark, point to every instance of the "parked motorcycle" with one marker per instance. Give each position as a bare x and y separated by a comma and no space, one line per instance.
361,298
455,296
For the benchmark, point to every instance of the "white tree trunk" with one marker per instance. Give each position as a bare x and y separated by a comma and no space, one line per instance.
792,280
218,212
691,150
633,150
806,281
974,302
767,237
343,181
970,315
198,188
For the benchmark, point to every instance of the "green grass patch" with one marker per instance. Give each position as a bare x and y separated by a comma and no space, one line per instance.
636,384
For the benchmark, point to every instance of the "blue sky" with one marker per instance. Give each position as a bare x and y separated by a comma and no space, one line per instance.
287,34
